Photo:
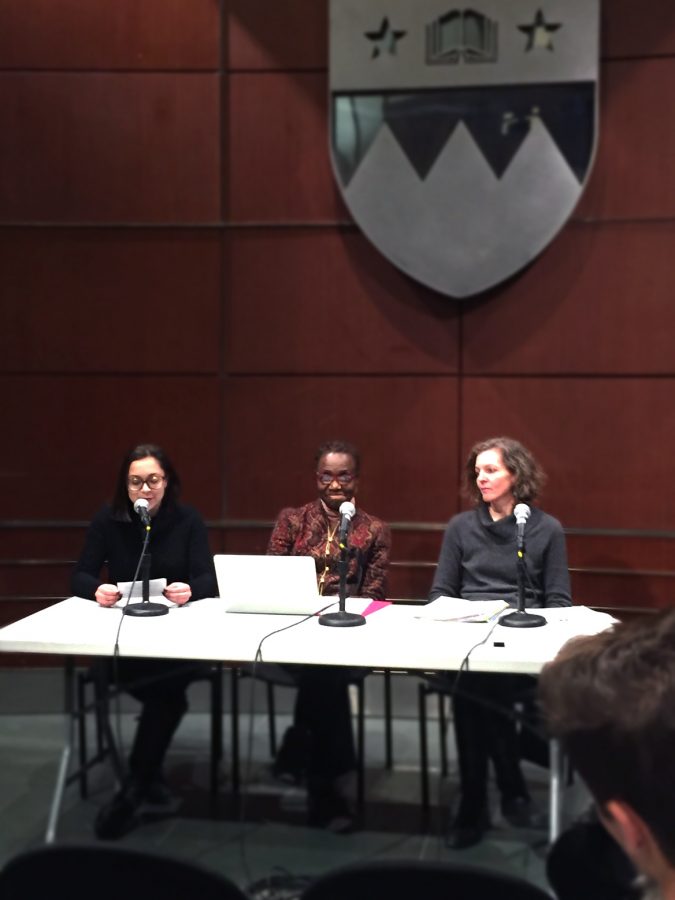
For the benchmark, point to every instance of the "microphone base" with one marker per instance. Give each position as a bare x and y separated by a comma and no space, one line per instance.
145,609
342,619
522,619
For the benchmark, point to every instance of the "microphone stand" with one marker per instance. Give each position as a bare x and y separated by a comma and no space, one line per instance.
342,618
520,618
145,608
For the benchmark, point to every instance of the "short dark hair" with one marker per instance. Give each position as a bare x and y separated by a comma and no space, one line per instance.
121,505
610,699
518,460
338,447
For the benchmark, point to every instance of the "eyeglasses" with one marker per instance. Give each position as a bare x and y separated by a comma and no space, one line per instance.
135,482
341,478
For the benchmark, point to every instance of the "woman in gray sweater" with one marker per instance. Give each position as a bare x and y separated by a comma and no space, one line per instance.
478,561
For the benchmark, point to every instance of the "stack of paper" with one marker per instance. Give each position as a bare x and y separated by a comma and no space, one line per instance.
456,609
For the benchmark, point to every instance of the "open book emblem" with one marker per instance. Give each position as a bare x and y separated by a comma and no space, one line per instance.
462,138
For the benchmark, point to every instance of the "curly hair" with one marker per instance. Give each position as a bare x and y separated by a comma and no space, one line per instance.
339,447
529,475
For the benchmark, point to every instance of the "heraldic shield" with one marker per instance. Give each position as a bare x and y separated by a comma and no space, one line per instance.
462,137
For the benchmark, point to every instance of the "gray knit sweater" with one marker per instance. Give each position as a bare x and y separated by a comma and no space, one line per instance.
478,560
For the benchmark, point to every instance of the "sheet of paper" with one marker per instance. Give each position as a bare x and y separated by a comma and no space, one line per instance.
157,586
457,609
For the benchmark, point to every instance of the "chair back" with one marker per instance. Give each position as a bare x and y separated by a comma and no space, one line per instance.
392,880
107,872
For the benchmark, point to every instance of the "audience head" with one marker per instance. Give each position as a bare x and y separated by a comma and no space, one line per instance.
146,472
528,477
337,466
610,698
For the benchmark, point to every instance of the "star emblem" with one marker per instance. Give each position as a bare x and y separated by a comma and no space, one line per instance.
385,39
539,33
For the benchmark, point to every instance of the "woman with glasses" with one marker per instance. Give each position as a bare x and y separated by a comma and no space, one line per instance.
321,741
179,552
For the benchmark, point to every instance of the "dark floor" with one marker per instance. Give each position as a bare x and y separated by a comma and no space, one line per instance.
265,833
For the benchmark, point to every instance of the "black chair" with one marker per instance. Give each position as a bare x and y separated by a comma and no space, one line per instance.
533,743
274,676
439,687
93,696
108,872
387,880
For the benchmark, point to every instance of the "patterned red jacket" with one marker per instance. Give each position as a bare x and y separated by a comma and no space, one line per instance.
304,532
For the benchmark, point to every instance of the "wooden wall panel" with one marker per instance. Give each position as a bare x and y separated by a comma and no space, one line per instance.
617,592
404,427
633,177
278,150
326,301
69,436
36,581
410,582
602,441
289,35
624,552
597,302
41,542
109,148
99,34
631,29
112,113
79,300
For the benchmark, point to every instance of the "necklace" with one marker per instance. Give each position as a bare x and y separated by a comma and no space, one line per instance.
330,536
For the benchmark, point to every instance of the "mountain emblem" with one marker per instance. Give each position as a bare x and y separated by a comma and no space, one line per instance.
462,138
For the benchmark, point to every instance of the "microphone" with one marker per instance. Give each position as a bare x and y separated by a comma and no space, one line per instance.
522,514
141,508
521,618
342,617
347,510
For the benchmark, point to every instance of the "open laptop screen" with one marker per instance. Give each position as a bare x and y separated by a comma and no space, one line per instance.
269,584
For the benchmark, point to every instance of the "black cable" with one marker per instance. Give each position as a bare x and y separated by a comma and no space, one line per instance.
116,654
246,769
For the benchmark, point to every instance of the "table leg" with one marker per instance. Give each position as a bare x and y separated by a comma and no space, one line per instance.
64,763
555,789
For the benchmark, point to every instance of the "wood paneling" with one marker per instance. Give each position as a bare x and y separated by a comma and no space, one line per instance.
603,442
278,152
405,429
99,34
109,301
633,176
630,553
109,148
69,436
112,113
288,35
326,301
41,542
598,301
615,592
638,29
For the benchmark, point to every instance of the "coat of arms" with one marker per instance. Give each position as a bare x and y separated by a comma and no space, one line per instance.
462,137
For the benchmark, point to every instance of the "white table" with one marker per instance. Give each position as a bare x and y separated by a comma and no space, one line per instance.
393,637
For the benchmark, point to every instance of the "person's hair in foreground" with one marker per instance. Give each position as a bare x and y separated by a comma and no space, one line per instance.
610,698
517,459
121,503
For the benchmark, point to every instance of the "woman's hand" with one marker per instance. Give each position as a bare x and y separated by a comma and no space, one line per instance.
178,592
107,594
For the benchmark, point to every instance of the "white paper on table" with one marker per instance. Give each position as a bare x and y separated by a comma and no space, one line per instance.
584,619
458,609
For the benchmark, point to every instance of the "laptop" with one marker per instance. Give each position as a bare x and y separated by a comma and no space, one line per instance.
269,584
